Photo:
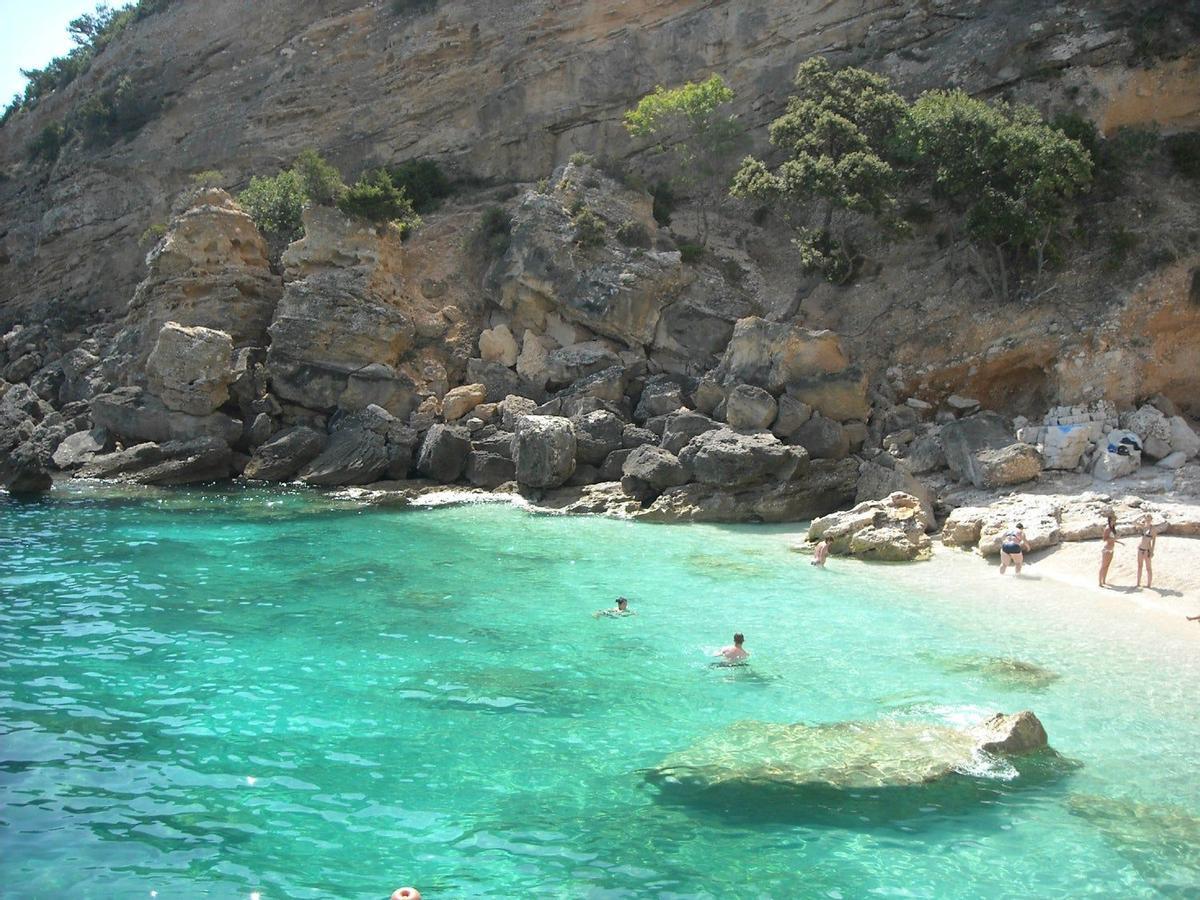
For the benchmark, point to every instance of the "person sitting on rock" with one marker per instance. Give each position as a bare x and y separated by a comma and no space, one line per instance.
820,554
1012,549
621,609
734,654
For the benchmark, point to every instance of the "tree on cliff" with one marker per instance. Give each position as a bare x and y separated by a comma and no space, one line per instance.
843,133
693,119
1009,173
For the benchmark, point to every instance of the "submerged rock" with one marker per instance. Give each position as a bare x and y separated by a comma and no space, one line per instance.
846,756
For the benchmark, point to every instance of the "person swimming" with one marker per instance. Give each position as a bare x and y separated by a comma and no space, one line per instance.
735,654
621,609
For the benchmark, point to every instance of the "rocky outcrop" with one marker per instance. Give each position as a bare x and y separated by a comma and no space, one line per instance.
131,413
444,452
888,530
648,471
1011,735
728,459
197,461
210,270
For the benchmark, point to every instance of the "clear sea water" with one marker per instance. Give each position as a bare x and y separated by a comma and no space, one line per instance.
214,694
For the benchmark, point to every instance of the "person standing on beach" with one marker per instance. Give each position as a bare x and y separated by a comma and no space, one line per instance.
1109,536
1012,549
1146,550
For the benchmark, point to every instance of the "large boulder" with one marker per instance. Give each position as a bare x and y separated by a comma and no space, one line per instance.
889,530
774,355
544,451
823,438
925,454
489,470
731,459
24,473
1152,428
749,408
461,400
1119,455
1183,439
498,345
678,430
444,453
1063,446
962,439
198,461
827,486
597,434
131,413
792,414
648,471
190,368
660,396
569,364
352,456
285,454
79,448
841,396
1014,464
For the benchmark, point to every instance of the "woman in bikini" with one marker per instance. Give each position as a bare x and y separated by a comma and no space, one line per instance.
1109,536
1146,550
1012,549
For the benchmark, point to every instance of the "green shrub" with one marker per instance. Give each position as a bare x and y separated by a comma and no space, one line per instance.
276,205
374,198
633,234
1184,152
664,202
152,235
209,178
589,228
48,142
543,186
579,158
119,111
493,234
423,181
321,182
691,253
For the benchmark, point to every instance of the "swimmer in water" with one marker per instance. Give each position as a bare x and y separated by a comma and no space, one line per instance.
734,654
621,609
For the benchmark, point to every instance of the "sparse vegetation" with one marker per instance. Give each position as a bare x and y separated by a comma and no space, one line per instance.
118,111
693,120
374,198
209,178
320,181
581,159
423,181
633,234
91,32
491,237
1184,152
664,202
48,143
152,235
589,228
691,253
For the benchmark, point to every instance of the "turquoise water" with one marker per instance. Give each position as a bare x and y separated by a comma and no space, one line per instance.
218,693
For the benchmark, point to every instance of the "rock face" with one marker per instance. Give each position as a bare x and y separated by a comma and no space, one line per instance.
353,456
728,459
131,413
197,461
190,369
1014,464
544,451
763,757
648,471
444,453
889,530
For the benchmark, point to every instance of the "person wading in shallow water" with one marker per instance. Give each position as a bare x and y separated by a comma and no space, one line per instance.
820,554
1012,549
734,654
621,609
1109,536
1146,550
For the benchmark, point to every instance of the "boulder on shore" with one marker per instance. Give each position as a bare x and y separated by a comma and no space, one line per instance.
729,459
352,456
544,451
888,530
190,368
444,452
285,454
